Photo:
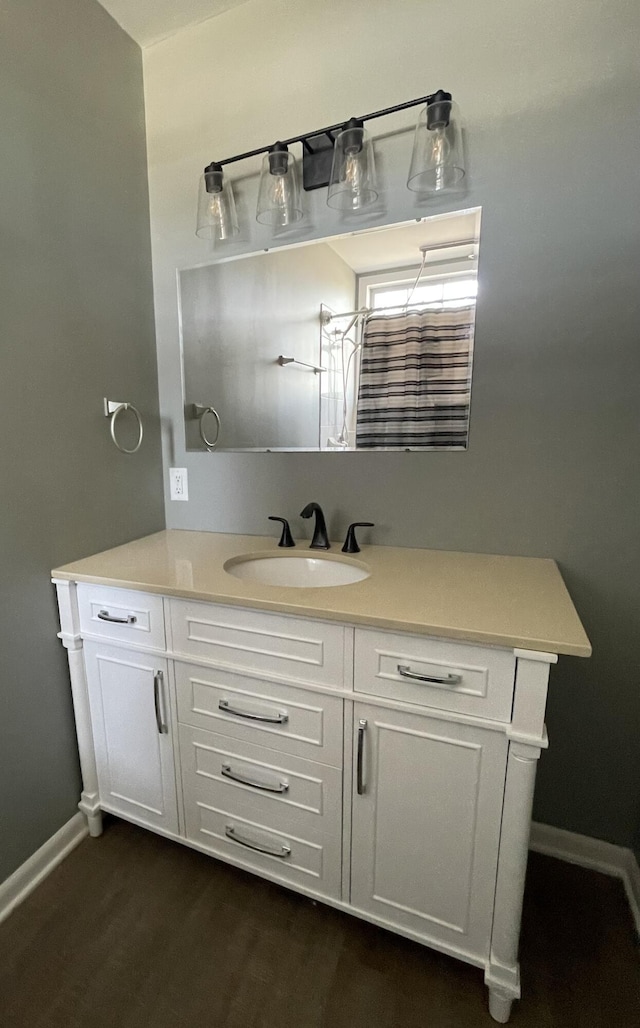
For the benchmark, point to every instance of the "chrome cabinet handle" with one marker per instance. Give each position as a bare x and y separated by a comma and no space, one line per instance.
279,718
281,850
361,786
278,786
104,615
157,685
406,672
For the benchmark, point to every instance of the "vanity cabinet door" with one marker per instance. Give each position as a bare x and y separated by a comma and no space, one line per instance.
427,801
131,721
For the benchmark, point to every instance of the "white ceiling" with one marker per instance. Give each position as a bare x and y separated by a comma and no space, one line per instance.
148,21
399,246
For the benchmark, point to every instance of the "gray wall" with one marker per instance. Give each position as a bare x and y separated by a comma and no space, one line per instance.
76,323
550,94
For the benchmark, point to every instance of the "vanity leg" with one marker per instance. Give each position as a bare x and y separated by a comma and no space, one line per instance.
89,803
90,799
499,1006
527,738
94,821
502,975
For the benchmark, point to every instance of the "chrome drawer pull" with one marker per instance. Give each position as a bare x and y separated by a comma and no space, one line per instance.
281,850
104,615
279,718
278,786
157,684
361,786
406,672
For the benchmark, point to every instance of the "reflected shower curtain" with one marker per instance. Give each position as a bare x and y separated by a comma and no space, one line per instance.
415,380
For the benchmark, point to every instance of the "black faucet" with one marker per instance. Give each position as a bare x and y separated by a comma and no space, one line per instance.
320,539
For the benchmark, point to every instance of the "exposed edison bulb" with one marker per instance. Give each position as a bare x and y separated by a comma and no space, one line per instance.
440,154
278,193
218,212
353,173
284,206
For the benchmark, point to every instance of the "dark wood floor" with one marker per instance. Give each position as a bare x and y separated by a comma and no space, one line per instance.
133,930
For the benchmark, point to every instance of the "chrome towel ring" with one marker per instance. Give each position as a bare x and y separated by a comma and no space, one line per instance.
199,411
112,409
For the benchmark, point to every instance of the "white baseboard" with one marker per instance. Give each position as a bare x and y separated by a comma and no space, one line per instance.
591,853
23,881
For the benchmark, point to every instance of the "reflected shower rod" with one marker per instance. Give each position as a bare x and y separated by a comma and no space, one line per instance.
452,244
328,318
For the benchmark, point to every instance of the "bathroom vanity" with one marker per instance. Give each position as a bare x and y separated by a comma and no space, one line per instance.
371,745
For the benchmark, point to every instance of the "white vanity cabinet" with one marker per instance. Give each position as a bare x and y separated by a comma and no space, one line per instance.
132,734
387,773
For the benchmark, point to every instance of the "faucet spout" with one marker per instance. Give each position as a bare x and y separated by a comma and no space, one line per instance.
320,539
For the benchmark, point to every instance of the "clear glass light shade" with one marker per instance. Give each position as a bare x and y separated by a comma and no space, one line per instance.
437,160
217,216
353,183
279,202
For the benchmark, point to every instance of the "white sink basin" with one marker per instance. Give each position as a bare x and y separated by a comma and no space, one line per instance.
292,570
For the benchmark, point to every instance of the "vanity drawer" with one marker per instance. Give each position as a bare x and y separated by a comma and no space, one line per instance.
286,792
460,677
275,645
123,615
277,716
253,843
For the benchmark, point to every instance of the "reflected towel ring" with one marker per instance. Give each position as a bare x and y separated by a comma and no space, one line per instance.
200,413
112,409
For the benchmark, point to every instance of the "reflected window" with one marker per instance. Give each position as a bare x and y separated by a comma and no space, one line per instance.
444,292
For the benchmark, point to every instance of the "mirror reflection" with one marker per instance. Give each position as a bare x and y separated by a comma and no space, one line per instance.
356,342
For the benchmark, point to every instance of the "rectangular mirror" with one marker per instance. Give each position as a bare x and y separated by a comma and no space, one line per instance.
357,342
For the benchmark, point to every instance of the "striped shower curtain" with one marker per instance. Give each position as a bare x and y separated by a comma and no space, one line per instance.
415,380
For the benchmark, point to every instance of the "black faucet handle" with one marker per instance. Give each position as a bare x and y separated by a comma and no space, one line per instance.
351,543
286,539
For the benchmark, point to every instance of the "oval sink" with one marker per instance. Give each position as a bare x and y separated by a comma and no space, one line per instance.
300,572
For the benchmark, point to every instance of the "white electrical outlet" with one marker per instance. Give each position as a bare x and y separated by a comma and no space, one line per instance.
178,483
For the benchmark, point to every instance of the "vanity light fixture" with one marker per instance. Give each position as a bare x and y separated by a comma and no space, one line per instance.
217,216
436,161
340,157
279,201
352,183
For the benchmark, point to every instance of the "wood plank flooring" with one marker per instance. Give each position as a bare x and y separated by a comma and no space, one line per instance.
134,931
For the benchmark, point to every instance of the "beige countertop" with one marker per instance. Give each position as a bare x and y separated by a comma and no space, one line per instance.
503,601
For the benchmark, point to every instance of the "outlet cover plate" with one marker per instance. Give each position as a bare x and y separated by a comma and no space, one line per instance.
178,484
